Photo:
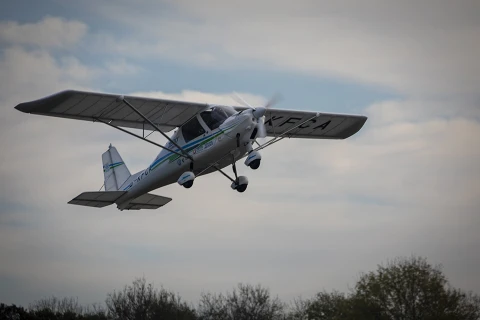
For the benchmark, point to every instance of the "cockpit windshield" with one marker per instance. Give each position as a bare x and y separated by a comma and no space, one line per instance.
215,116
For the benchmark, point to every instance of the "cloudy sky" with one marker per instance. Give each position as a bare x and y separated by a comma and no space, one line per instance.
315,214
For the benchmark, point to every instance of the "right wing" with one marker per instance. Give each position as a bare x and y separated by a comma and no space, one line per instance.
89,106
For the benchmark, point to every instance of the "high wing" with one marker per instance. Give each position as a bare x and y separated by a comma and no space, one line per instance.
308,124
169,114
90,106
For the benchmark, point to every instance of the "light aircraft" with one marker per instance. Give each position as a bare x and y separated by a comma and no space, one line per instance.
208,138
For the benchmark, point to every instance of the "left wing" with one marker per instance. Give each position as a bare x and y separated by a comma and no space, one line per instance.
309,124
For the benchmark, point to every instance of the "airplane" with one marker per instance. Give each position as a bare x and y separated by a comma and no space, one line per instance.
208,138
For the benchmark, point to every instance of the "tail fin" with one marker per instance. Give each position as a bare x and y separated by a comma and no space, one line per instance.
114,169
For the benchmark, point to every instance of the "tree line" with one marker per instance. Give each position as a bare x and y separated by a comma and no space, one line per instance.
402,289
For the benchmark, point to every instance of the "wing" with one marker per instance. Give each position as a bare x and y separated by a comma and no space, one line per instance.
89,106
313,125
169,114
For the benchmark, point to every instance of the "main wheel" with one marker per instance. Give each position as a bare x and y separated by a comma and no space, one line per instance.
188,184
240,184
255,164
242,187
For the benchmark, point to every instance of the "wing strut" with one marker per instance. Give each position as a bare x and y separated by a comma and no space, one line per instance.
282,135
185,154
139,137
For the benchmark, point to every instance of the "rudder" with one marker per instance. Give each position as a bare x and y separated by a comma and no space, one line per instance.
115,171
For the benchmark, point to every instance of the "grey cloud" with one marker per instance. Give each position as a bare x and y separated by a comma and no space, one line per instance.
316,213
31,74
49,32
305,223
427,48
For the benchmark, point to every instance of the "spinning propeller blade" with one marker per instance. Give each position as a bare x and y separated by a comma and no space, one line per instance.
262,130
259,112
240,100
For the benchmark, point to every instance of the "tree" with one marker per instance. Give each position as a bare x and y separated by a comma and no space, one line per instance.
12,312
327,306
142,301
246,302
298,309
332,306
65,309
410,288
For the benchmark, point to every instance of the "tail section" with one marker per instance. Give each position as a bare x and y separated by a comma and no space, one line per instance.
116,174
114,169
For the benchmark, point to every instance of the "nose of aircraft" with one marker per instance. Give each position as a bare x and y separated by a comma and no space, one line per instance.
259,112
245,121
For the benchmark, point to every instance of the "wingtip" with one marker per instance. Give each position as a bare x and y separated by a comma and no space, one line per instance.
34,105
21,107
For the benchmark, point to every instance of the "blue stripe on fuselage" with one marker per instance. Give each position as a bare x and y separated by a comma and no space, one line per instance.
186,146
193,143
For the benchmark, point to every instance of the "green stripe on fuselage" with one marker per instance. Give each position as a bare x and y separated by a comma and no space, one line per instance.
174,157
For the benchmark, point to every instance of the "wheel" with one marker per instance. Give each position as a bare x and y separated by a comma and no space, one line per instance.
240,184
242,187
255,164
188,184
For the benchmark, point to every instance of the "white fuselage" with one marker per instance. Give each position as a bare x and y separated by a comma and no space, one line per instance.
205,150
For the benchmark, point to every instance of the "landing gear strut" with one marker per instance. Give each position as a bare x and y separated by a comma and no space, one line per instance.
240,183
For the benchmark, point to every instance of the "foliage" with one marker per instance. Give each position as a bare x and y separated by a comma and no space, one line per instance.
406,288
65,309
410,288
142,301
13,312
403,289
246,302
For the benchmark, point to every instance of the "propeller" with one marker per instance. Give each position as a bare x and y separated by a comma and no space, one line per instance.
259,112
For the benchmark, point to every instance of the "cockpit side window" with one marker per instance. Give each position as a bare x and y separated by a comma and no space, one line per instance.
214,117
192,129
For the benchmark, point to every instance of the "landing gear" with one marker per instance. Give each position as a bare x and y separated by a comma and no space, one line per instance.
188,184
255,164
253,160
186,179
240,183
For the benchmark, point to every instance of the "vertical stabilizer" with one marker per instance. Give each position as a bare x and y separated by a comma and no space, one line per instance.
114,169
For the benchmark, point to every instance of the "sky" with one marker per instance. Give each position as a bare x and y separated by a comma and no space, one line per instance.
316,213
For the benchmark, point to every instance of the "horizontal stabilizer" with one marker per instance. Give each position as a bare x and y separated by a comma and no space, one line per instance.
98,199
148,201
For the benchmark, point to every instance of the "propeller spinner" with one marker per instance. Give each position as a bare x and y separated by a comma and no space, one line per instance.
259,113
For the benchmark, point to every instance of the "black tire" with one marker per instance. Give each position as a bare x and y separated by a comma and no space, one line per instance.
242,187
255,164
188,184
